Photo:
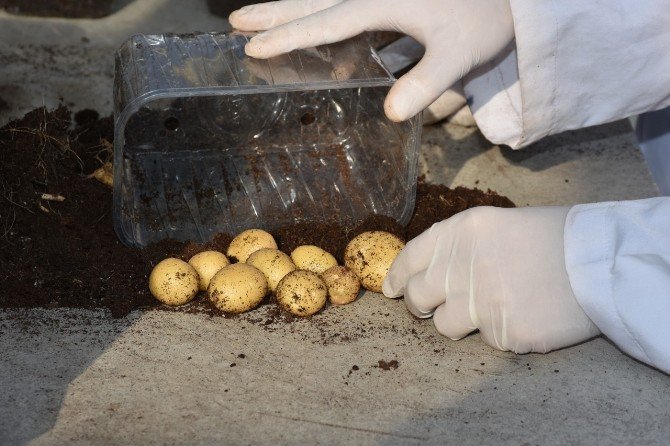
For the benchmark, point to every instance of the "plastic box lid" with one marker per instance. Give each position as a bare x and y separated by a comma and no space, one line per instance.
208,140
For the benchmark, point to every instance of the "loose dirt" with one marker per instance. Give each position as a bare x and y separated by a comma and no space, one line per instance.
58,247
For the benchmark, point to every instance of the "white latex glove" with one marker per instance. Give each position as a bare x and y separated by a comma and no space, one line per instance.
406,51
463,117
501,271
451,103
458,35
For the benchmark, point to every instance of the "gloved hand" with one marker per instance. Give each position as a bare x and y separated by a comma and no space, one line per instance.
452,104
501,271
458,35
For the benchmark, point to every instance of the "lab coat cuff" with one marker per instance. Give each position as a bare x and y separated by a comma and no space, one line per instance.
574,64
589,254
494,96
617,255
513,97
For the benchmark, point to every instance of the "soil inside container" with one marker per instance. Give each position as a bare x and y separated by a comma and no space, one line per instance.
58,247
79,9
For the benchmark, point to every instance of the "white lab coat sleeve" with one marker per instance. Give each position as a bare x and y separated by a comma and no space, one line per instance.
574,64
618,259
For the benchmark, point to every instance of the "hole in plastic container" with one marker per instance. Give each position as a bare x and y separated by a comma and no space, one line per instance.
308,118
171,123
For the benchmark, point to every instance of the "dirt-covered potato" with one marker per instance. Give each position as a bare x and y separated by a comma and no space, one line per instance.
343,285
248,242
206,264
104,174
312,258
273,263
302,293
237,288
370,256
173,282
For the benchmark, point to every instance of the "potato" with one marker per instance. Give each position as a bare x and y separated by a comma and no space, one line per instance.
173,282
370,256
302,293
248,242
343,285
273,263
206,264
104,174
237,288
312,258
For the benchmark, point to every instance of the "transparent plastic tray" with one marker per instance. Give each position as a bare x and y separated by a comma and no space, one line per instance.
208,140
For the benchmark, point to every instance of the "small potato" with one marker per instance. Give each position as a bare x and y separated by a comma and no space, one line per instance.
343,285
302,293
104,174
370,256
173,282
237,288
312,258
273,263
208,263
248,242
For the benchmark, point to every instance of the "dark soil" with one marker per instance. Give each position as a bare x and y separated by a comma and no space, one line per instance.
66,253
223,8
435,202
390,365
60,8
63,254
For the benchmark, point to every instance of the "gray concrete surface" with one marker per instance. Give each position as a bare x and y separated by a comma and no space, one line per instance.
80,377
48,60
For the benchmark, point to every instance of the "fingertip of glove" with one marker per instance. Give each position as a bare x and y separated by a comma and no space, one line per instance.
236,18
246,9
387,290
417,312
254,48
392,113
399,107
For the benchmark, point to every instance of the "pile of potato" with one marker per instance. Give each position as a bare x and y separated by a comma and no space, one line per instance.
302,282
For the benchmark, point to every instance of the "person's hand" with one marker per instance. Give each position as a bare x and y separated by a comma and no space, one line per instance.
451,104
458,35
501,271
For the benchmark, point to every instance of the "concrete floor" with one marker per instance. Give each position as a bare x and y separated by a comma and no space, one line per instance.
80,377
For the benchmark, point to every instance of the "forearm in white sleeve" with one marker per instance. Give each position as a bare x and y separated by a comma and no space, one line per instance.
618,259
575,64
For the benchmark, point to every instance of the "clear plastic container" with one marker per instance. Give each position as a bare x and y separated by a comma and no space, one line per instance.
208,140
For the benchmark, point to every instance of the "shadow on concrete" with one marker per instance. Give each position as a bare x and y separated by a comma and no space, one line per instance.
446,152
46,61
586,394
568,168
43,351
572,144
